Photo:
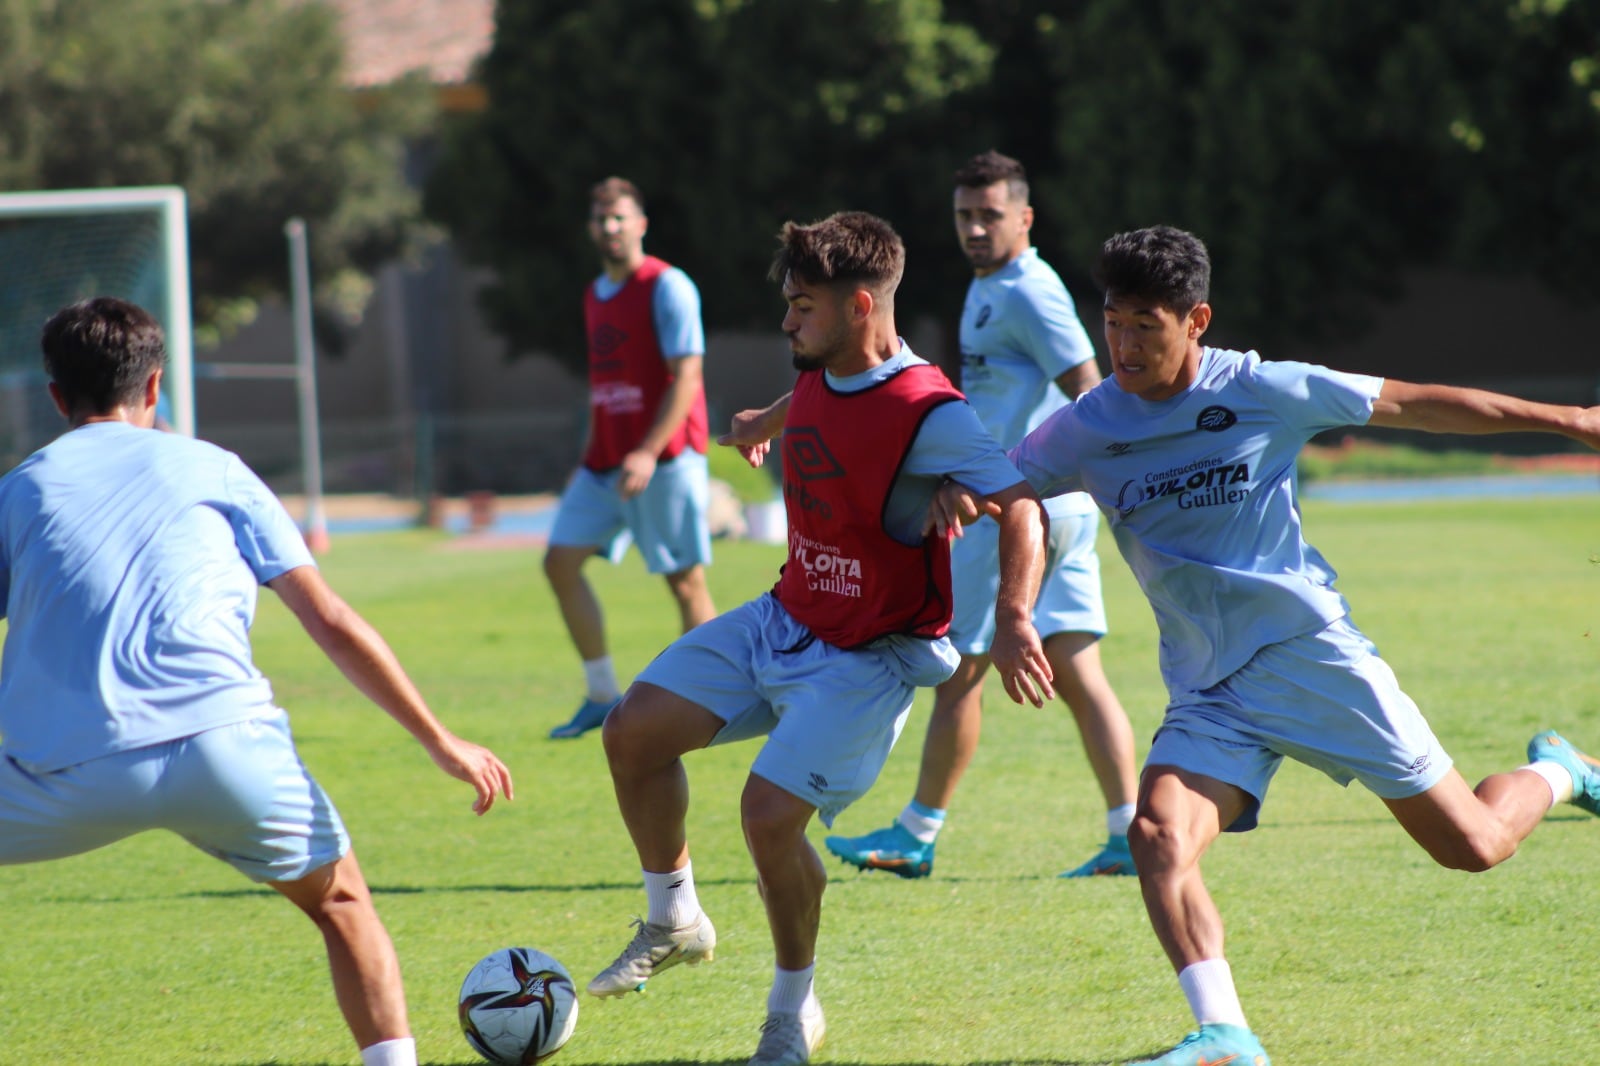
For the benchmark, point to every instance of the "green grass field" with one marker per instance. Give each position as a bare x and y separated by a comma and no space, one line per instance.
1347,943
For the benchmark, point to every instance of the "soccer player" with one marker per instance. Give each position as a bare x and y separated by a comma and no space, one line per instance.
1190,451
643,475
1024,355
826,664
129,563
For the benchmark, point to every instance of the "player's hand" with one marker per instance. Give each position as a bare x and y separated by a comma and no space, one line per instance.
748,433
477,766
636,471
1018,655
953,506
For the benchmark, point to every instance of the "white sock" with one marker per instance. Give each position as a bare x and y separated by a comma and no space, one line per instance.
399,1052
1118,819
1208,986
673,900
1556,776
790,990
922,822
601,678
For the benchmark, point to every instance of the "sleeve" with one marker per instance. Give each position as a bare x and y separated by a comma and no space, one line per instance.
1048,328
953,443
1313,398
1046,456
675,305
268,538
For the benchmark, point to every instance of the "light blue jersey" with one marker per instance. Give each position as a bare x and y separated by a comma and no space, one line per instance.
675,309
1200,492
129,566
1019,332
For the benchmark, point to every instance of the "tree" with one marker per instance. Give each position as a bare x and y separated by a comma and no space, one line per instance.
242,104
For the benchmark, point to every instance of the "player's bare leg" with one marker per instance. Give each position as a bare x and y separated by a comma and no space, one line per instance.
692,595
790,872
1474,829
954,727
580,609
1081,682
366,971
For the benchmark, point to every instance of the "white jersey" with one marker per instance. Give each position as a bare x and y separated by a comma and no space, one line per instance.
1019,332
1200,491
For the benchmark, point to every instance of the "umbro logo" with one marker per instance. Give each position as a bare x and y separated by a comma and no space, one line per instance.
1420,763
1119,447
606,339
807,456
983,317
1215,419
817,781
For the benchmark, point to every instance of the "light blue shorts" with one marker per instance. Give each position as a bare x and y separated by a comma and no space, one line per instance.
1324,699
238,792
667,520
830,716
1069,600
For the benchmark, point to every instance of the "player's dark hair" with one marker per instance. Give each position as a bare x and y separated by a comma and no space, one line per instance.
100,352
847,248
982,171
1160,263
613,189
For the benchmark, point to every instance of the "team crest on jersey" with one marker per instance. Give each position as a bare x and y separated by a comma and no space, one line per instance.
1215,419
983,317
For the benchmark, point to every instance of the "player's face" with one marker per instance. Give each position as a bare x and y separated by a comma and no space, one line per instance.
991,226
818,324
617,229
1155,352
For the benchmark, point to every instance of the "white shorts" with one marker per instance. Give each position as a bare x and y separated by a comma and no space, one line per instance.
830,716
1069,601
239,792
667,520
1324,699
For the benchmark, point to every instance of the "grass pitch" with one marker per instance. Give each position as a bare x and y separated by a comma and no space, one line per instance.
1346,942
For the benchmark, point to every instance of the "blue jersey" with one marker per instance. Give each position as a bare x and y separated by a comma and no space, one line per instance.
1200,491
675,309
129,566
1019,332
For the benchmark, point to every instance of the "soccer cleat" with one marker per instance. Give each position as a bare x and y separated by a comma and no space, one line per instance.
655,948
893,849
789,1039
1113,860
1215,1045
591,714
1551,746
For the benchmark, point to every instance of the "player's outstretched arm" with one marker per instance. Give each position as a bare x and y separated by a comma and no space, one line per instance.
1017,652
955,505
752,430
364,657
1451,409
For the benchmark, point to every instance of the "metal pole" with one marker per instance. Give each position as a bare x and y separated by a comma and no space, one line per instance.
305,358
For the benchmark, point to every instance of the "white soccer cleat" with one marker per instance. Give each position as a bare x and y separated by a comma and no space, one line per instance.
789,1039
655,948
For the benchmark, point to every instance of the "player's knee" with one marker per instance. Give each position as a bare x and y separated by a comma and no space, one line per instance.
1159,845
771,817
1473,853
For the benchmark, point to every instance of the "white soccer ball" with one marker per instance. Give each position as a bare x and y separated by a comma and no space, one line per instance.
518,1006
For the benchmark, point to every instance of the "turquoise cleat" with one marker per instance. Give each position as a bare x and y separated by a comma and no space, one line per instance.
1215,1045
1112,860
893,849
591,714
1551,746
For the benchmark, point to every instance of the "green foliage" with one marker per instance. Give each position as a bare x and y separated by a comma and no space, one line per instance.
1375,460
1348,944
243,105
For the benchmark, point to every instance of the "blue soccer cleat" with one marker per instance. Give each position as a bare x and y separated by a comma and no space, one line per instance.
591,714
1215,1045
893,849
1112,860
1551,746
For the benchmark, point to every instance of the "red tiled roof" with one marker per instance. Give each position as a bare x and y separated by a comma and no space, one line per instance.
387,38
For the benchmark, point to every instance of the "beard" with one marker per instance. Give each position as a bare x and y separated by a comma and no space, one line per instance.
808,362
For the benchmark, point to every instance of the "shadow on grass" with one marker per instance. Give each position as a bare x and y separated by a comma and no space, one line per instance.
741,1062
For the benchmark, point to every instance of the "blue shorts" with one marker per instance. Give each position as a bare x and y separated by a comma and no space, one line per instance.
667,520
1324,699
1069,600
830,716
238,792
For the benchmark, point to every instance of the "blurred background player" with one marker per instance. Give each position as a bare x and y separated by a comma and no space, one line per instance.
825,666
643,475
129,565
1024,355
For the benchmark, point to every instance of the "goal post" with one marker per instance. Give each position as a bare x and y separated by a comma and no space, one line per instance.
57,247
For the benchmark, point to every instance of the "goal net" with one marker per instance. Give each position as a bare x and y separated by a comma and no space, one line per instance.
60,247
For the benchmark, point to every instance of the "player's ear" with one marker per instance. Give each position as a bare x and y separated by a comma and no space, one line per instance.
152,389
1199,319
861,303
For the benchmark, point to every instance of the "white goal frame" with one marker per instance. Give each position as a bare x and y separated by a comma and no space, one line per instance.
170,204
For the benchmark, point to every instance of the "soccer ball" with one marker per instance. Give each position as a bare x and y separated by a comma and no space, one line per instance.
518,1006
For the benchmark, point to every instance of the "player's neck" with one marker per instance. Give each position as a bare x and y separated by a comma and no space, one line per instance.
620,270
